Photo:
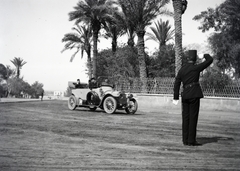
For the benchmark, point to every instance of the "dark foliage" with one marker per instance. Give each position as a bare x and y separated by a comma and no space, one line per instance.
161,64
225,20
123,63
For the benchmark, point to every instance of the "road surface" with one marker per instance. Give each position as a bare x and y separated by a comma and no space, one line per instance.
45,135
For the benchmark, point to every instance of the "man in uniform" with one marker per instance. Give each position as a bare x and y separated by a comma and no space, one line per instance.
189,76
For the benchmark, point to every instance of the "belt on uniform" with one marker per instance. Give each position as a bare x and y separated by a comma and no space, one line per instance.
191,84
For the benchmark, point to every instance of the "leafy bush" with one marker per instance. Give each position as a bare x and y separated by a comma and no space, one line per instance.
122,63
161,63
214,78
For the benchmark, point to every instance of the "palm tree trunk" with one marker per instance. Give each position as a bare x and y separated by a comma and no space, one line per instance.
114,40
95,38
177,6
141,59
87,48
18,72
130,41
89,65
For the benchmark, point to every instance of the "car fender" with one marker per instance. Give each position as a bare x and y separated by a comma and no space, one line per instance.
113,93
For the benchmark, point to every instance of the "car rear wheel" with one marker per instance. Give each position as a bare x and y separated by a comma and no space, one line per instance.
132,107
110,105
72,102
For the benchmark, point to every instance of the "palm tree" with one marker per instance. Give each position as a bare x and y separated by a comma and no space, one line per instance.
97,14
81,40
115,30
18,63
140,14
162,33
128,24
178,11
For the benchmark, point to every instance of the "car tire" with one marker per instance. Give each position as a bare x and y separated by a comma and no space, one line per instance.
133,106
110,105
72,102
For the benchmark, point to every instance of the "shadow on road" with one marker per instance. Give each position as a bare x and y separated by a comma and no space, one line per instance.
207,140
118,112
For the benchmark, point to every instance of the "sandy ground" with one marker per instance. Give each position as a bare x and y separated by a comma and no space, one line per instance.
47,136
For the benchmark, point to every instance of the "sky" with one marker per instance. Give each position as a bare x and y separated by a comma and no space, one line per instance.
33,30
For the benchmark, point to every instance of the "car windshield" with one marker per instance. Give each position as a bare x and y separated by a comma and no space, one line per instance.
104,81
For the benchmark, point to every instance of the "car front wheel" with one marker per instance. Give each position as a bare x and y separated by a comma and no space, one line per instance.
132,107
110,105
72,102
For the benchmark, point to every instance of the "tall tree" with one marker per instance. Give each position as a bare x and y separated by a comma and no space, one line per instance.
18,63
81,40
178,11
96,13
161,33
7,74
140,14
225,20
3,72
38,89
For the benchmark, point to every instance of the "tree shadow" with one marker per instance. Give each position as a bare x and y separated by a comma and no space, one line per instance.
207,140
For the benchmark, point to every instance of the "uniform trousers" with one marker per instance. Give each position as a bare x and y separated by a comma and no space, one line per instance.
190,111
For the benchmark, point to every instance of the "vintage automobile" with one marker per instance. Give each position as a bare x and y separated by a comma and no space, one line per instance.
103,97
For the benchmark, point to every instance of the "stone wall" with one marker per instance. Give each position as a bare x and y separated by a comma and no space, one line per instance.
207,103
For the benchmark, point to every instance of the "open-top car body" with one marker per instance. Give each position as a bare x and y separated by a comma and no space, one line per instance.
103,97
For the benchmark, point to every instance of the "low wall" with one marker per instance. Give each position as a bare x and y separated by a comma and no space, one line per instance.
207,103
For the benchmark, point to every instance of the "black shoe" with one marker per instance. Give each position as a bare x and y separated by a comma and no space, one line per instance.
185,143
195,144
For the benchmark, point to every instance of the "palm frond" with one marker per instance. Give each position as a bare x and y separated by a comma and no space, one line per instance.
161,33
79,40
73,56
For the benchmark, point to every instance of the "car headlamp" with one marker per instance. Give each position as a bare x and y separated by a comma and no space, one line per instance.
129,95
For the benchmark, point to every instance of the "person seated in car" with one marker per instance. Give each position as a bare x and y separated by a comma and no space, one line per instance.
93,83
78,84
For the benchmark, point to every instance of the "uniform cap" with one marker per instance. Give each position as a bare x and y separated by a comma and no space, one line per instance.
192,55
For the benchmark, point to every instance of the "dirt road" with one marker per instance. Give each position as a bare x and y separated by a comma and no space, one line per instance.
47,136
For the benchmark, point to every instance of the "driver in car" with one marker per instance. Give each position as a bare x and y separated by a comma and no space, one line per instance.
78,84
93,83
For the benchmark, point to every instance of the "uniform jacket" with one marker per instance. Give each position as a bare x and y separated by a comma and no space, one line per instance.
188,75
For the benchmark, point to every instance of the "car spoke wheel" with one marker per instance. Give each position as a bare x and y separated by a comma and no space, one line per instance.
72,102
110,105
132,107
